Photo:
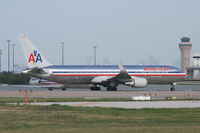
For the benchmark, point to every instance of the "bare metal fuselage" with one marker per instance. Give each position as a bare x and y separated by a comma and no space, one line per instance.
82,76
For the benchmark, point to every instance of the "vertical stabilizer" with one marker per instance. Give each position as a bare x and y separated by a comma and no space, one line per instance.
33,56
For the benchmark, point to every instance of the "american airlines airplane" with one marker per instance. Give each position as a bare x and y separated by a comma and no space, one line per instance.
94,76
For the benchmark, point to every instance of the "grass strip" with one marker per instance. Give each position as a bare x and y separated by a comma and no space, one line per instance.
56,118
39,99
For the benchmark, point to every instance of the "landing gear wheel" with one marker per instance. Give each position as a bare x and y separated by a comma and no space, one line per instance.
172,89
50,89
114,88
111,88
63,89
95,88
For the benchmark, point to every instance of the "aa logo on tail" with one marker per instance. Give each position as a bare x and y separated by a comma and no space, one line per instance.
35,57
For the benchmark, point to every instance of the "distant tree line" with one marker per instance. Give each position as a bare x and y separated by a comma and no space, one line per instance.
11,78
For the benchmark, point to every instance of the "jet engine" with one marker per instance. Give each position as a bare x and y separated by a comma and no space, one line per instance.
137,83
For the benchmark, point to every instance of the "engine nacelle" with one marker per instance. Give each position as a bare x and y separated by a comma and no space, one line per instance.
137,83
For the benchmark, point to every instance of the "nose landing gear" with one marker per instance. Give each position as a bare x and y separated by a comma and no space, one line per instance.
172,86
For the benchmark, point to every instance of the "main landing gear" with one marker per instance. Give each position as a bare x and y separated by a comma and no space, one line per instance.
95,88
108,88
111,88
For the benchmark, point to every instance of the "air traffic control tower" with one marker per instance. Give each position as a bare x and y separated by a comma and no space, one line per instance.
185,46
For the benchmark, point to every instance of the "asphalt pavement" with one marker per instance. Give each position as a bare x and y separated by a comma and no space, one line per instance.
129,105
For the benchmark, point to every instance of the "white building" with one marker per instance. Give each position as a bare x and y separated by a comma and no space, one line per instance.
194,71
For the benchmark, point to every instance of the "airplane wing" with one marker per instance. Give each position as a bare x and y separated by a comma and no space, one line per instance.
122,78
37,72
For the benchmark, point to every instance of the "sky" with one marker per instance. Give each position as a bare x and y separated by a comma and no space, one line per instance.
130,31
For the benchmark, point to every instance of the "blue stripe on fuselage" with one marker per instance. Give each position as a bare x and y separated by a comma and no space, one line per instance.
115,68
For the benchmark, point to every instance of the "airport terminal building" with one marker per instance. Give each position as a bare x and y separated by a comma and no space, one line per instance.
193,72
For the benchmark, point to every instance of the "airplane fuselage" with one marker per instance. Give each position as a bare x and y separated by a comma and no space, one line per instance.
84,74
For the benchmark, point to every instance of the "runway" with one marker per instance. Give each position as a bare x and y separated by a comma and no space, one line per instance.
114,94
129,105
103,94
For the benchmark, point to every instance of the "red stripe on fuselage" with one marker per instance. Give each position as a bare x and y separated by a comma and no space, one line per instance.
142,75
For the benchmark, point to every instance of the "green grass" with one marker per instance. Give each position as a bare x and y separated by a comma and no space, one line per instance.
38,99
62,119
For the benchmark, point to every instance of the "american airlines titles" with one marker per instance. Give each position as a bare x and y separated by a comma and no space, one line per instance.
159,69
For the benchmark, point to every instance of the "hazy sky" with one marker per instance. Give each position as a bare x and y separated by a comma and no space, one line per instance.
124,30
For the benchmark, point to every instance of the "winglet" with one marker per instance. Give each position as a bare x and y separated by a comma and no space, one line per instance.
123,75
121,67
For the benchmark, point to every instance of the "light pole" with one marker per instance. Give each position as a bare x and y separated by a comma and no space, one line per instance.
13,45
0,59
8,54
95,55
62,43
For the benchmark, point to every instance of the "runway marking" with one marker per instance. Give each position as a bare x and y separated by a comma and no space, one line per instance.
82,104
